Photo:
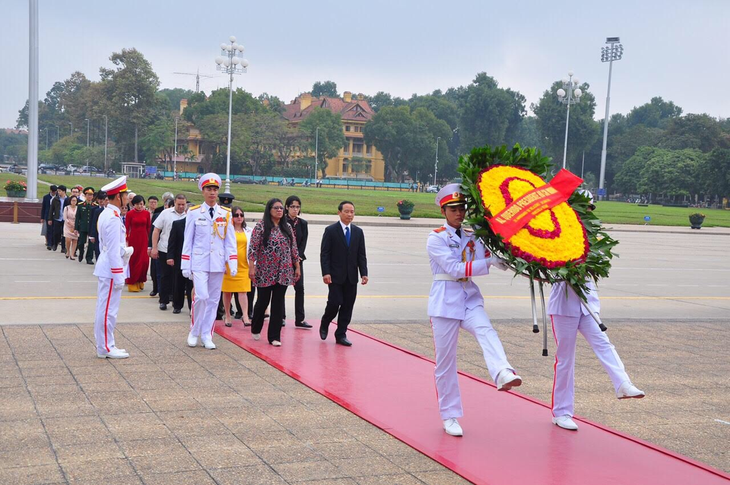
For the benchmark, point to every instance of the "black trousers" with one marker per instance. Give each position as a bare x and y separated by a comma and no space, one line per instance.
58,235
83,238
269,294
251,296
340,301
49,234
166,273
298,298
154,264
181,287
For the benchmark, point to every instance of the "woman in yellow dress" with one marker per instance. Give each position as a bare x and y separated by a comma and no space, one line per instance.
241,283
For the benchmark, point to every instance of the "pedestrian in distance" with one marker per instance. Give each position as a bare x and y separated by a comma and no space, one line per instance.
273,263
293,207
69,222
455,302
569,316
241,283
342,256
137,225
83,218
112,267
47,229
209,246
101,202
160,238
56,218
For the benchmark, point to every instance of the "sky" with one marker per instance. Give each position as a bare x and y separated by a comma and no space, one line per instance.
679,50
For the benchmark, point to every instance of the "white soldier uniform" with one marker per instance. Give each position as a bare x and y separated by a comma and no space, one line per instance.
112,268
569,316
210,242
455,302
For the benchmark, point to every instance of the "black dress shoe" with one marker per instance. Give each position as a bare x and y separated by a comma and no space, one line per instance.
323,332
176,311
153,293
163,306
344,341
283,323
302,325
89,262
48,248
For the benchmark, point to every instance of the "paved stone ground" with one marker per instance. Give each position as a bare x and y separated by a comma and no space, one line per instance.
171,414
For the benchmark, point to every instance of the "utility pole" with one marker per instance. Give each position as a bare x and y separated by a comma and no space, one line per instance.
436,165
316,152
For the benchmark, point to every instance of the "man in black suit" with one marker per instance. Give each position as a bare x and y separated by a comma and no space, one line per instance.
341,256
45,216
181,285
55,219
101,202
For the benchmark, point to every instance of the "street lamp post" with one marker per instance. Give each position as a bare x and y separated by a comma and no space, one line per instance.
106,138
316,153
174,160
436,165
571,96
231,62
88,123
613,52
72,127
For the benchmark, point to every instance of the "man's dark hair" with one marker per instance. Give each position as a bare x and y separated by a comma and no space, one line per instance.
101,195
137,199
342,204
152,197
53,188
62,187
293,198
181,197
269,224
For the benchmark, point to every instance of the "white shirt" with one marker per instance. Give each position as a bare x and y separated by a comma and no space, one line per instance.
164,224
344,228
209,243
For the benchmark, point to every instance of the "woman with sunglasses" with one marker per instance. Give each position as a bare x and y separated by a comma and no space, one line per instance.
273,265
241,283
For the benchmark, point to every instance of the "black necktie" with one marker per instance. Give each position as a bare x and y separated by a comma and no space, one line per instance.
458,233
211,212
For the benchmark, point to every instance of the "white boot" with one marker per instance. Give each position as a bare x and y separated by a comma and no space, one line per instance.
192,340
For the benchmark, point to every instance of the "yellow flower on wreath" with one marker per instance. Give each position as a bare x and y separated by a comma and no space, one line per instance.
553,238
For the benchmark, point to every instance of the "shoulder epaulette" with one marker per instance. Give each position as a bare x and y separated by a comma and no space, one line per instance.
440,229
194,207
226,208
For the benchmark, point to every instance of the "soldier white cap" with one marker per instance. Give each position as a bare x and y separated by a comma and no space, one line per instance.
115,187
589,194
450,195
209,179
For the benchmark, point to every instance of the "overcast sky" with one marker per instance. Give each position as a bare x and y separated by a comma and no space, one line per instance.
675,49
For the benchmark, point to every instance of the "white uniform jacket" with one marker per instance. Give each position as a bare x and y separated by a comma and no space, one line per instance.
112,241
450,298
564,301
209,242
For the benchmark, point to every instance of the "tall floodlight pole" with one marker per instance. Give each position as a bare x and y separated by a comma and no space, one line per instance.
32,172
613,52
174,160
106,139
231,62
88,123
316,152
571,96
436,165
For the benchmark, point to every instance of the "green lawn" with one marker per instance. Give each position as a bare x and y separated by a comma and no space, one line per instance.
325,200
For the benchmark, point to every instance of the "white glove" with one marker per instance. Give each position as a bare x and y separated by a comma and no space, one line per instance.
498,262
186,273
128,251
233,272
118,286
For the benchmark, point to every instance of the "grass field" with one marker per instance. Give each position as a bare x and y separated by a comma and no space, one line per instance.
325,201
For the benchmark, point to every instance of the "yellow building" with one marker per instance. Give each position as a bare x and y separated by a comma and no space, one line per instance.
356,159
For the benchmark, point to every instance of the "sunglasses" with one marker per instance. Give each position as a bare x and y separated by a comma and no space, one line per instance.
278,208
238,215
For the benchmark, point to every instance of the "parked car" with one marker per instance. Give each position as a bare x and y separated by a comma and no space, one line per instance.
244,180
432,189
89,169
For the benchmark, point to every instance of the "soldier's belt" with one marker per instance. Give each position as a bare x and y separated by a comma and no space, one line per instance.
447,277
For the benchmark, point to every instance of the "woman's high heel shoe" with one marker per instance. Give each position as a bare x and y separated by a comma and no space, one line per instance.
228,321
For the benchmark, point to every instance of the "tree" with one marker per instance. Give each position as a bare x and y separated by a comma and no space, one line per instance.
716,176
174,96
217,103
327,88
407,140
331,137
698,131
129,93
489,114
583,129
382,99
654,114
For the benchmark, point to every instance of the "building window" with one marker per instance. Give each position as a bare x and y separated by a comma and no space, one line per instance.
347,127
368,149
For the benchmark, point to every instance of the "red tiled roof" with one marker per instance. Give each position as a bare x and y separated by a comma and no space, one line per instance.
355,110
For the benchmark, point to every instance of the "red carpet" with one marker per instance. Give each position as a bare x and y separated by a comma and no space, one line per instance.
508,438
